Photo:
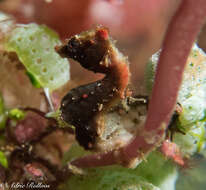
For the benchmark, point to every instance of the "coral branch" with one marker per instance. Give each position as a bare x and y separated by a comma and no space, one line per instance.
180,36
171,150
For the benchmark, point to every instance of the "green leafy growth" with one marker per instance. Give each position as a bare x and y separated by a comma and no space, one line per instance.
193,110
33,80
193,141
192,98
109,178
3,113
34,46
145,176
3,160
16,114
148,169
192,92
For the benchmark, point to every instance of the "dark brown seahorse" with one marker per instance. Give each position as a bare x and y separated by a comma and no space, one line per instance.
84,106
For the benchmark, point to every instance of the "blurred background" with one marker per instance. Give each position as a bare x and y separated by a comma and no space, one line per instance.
138,27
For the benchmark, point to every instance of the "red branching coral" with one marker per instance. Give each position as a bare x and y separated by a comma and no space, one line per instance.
179,38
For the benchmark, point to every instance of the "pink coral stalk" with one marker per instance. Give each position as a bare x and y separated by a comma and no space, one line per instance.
178,41
171,150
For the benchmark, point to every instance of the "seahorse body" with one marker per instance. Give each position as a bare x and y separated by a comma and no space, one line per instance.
84,107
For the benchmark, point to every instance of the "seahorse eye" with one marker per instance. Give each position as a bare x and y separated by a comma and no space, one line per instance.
73,42
73,45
